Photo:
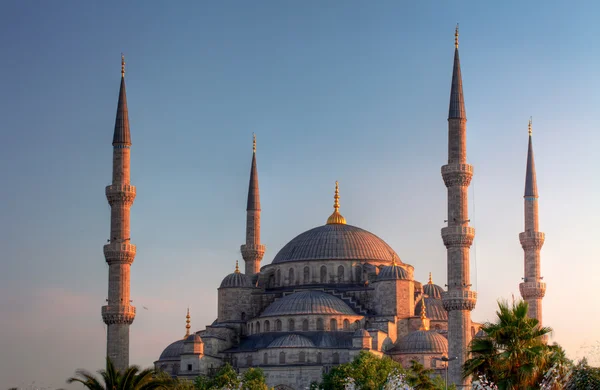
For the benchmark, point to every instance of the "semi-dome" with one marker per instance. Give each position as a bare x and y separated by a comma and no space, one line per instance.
308,302
423,341
336,242
291,341
392,272
434,309
173,351
236,279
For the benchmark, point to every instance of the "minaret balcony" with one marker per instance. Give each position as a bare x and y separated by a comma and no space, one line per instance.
253,251
532,240
535,290
118,314
459,300
458,236
120,194
119,252
457,174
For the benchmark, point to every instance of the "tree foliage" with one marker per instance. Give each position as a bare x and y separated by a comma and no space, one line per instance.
228,378
368,371
133,378
583,377
513,353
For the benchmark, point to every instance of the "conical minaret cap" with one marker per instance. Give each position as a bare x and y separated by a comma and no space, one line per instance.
253,191
122,135
530,177
457,100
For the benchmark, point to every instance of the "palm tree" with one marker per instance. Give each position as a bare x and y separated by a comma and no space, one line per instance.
131,379
513,353
419,377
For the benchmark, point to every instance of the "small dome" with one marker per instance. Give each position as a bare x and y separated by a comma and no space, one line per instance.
433,290
392,272
236,279
194,338
423,341
308,302
291,341
434,309
173,351
361,333
336,242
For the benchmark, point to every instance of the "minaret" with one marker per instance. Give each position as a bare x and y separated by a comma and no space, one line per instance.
253,251
458,236
118,314
532,289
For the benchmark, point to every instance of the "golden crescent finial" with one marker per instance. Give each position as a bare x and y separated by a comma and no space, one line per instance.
430,281
456,36
253,143
423,309
336,217
394,259
529,128
187,324
237,267
122,65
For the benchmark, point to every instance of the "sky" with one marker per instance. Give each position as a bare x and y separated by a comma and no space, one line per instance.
351,91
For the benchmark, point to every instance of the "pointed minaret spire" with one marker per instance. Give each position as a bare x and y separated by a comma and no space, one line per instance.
187,324
530,179
253,251
458,236
119,253
457,100
533,288
122,136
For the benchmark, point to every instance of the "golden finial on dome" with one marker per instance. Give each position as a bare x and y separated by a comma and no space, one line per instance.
456,37
394,259
430,281
253,143
336,217
237,267
530,120
122,65
187,324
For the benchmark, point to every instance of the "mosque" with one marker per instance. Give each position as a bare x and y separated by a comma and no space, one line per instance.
330,292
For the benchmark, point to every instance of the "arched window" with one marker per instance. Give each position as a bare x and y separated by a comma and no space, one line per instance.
340,274
251,328
267,326
266,358
278,325
319,324
346,324
358,272
473,332
278,278
356,325
257,327
292,281
291,325
302,357
249,360
306,275
336,358
271,281
305,325
323,274
333,324
281,357
319,358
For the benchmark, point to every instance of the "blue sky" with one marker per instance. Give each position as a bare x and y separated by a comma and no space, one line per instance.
350,91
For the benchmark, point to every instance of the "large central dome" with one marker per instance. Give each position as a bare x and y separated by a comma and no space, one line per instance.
336,242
